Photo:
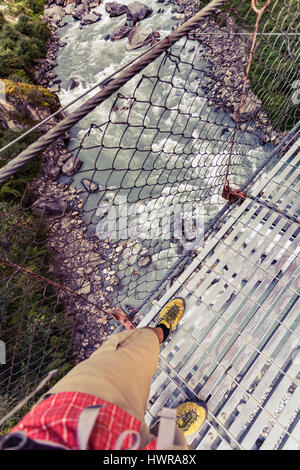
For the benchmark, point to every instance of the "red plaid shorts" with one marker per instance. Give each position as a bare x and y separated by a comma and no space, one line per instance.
55,420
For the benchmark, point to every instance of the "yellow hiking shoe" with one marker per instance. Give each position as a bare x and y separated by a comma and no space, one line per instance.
170,316
190,417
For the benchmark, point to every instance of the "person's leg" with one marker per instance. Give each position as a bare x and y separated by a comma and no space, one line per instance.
158,331
121,370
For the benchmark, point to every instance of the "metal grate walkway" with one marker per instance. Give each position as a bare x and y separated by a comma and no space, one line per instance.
238,345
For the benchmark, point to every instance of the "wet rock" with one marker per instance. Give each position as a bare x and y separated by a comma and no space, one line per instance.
90,185
139,37
94,258
71,166
120,33
137,11
93,3
84,290
54,172
119,249
177,16
73,83
180,9
70,9
80,11
113,280
248,110
51,62
50,206
90,18
50,75
115,9
63,157
55,13
54,88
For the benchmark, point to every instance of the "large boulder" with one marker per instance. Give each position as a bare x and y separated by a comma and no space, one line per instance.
139,37
120,33
54,13
70,9
73,83
71,166
22,104
91,17
115,9
50,206
90,185
80,11
137,11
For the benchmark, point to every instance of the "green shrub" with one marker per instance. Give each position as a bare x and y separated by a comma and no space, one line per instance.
2,20
14,187
37,6
21,44
9,32
24,25
19,76
33,325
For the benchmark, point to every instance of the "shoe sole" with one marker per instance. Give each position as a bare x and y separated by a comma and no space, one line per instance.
202,404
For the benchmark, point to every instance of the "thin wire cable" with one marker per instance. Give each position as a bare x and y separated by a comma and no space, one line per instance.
116,314
259,15
63,108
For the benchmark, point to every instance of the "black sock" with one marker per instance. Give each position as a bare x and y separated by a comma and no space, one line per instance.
165,330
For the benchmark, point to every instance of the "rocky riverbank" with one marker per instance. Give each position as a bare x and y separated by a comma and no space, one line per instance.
227,55
81,261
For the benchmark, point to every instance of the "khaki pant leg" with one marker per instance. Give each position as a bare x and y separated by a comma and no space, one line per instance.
120,372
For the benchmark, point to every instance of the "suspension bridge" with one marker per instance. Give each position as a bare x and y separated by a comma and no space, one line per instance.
161,149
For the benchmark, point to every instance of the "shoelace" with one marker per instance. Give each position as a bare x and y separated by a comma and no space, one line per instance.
171,314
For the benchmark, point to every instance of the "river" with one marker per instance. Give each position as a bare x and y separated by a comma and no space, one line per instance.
157,145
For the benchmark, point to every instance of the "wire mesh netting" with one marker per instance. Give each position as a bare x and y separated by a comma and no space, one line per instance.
108,214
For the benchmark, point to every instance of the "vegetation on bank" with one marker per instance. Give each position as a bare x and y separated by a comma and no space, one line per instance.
33,95
28,104
275,62
23,38
32,322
